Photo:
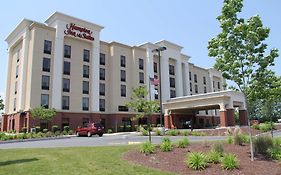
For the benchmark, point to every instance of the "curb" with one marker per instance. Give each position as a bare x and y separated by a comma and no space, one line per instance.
36,139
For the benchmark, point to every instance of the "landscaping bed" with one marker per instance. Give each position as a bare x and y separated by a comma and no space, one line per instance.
174,161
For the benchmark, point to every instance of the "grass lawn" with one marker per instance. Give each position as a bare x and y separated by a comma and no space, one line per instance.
67,161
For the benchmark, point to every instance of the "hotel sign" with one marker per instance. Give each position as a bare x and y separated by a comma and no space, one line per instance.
79,32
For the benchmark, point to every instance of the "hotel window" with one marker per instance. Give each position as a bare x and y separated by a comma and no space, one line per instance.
86,71
156,94
207,112
102,89
205,89
190,84
47,46
67,51
15,103
65,102
140,64
86,55
123,90
196,89
155,67
17,71
85,87
214,85
46,64
85,103
16,87
102,59
66,68
102,74
122,61
171,70
66,85
204,80
172,93
141,77
123,108
102,105
172,82
123,75
195,78
18,56
219,86
190,76
45,100
45,82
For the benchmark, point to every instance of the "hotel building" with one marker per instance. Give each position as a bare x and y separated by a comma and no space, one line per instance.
63,64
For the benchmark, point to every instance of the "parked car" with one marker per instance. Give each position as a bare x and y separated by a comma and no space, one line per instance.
90,129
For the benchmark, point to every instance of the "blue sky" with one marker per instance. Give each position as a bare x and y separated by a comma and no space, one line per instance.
189,23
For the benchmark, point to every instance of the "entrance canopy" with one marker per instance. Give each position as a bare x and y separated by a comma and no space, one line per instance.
225,101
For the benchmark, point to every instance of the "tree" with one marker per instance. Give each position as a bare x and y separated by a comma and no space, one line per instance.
239,49
144,107
1,103
43,113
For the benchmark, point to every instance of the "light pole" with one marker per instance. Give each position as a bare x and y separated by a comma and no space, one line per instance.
159,50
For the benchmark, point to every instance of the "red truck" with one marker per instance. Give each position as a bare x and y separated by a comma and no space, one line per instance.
90,129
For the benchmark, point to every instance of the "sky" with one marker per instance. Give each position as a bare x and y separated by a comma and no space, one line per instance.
189,23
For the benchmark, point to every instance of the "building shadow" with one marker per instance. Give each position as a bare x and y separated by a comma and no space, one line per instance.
10,162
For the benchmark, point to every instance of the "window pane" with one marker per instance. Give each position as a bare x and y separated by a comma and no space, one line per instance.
45,100
172,82
171,70
85,103
196,88
45,82
123,90
86,55
16,87
47,46
123,108
17,71
85,87
102,74
123,75
102,89
195,78
102,104
66,85
102,59
141,77
65,102
122,61
140,63
66,68
86,71
155,67
46,64
190,76
204,80
172,93
67,51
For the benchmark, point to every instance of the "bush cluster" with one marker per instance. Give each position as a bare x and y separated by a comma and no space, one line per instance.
196,161
147,148
268,147
230,162
166,145
264,127
182,143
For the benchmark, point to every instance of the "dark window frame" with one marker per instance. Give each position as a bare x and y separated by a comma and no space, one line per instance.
66,65
102,59
141,64
155,67
86,55
172,93
46,67
102,93
171,69
67,53
195,78
123,75
85,87
141,77
102,73
48,100
86,71
47,47
102,107
123,61
86,107
123,90
65,89
172,82
65,106
123,108
47,86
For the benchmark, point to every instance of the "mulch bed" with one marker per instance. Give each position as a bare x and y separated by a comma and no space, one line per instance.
174,161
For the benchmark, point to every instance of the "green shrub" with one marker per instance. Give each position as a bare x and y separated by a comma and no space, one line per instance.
197,133
145,127
158,132
256,126
144,132
264,127
24,129
147,148
196,161
218,147
277,142
184,133
37,129
21,136
70,132
230,162
239,139
172,132
57,133
262,144
229,140
31,135
213,157
66,128
64,132
45,130
49,134
55,128
40,134
182,143
166,145
109,131
274,152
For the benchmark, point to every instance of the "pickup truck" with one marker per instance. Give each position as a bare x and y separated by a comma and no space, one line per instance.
90,129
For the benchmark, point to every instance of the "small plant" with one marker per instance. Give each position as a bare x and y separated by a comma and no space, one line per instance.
274,152
45,130
256,126
66,128
213,157
147,148
49,134
172,132
109,131
238,139
277,142
40,134
218,147
182,143
57,133
196,161
229,140
262,144
144,132
184,133
24,129
166,145
230,162
158,132
197,133
64,132
55,128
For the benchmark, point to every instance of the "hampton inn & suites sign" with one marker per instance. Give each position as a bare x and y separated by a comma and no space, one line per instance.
79,32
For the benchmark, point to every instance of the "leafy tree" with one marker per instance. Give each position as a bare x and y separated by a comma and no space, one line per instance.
144,107
43,113
1,103
239,49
